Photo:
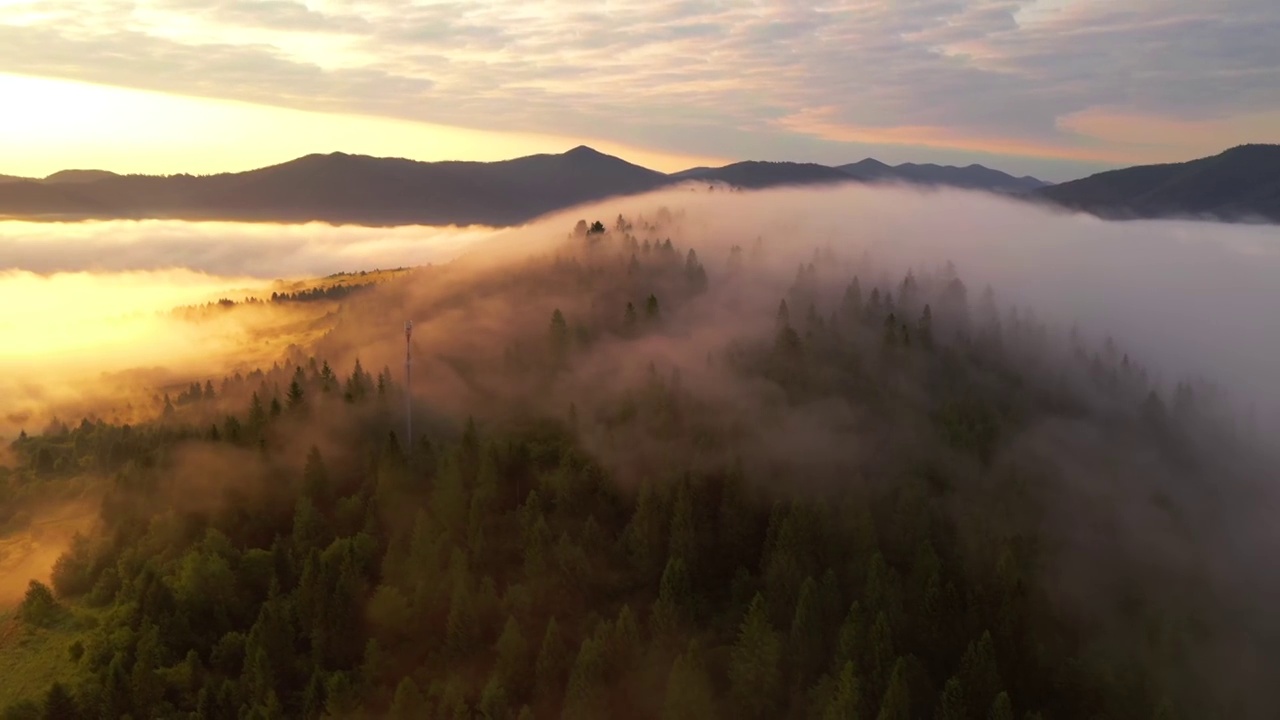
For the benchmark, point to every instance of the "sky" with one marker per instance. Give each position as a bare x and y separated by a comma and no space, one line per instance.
1054,88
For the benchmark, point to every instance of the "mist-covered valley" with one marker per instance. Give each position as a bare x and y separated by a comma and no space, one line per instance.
855,452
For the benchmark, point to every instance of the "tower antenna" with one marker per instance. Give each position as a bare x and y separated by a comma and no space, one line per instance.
408,385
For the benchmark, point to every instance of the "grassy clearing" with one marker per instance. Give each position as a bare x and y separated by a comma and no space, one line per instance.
31,658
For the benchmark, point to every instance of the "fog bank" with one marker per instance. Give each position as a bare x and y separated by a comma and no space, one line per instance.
223,248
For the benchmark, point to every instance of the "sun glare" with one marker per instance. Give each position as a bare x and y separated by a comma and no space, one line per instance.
52,125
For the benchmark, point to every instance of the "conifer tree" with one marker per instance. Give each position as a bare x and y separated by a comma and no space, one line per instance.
513,658
651,311
409,703
846,700
896,704
689,694
552,662
1001,709
805,641
953,705
754,665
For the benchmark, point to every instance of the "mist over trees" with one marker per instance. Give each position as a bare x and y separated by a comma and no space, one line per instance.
657,480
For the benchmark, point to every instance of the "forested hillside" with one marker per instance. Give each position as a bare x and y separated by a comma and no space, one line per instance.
643,484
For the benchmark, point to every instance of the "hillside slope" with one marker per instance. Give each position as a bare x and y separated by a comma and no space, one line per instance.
1242,183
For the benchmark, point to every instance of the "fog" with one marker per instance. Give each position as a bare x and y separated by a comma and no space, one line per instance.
1188,298
1183,299
259,250
83,302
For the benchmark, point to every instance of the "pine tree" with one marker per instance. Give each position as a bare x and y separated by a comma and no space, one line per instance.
512,664
879,654
805,641
315,479
59,704
651,311
583,696
257,414
1001,709
624,641
409,703
553,661
924,329
675,598
980,676
754,664
846,700
689,695
629,318
296,396
896,704
494,704
461,627
559,335
849,639
953,705
851,303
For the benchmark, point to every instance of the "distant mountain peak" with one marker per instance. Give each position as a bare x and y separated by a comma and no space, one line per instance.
584,151
79,176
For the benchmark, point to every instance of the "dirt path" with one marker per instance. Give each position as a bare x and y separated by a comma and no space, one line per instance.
30,553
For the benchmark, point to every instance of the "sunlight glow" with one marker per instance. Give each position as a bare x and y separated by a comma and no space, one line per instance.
51,125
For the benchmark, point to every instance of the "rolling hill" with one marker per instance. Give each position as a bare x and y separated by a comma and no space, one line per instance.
1242,183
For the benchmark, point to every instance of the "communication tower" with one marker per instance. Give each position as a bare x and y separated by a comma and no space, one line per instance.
408,384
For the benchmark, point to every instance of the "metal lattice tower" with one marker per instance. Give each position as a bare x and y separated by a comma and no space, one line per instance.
408,384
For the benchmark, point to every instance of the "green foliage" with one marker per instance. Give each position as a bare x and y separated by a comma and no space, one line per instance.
553,661
845,701
409,703
1001,709
39,606
689,693
896,704
954,703
697,566
754,664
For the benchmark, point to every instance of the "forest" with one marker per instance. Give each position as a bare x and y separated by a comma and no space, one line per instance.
651,480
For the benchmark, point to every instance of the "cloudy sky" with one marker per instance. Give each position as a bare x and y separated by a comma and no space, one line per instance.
1055,88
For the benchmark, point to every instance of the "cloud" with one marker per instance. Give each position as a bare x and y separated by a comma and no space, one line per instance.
1003,76
88,329
264,251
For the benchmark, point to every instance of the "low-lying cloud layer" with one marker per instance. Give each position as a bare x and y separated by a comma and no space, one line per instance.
264,251
1186,298
1181,298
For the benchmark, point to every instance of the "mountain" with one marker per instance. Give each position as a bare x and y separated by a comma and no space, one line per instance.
79,176
972,177
754,175
342,188
1239,184
63,176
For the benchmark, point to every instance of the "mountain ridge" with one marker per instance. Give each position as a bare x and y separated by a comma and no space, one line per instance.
343,188
1242,182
